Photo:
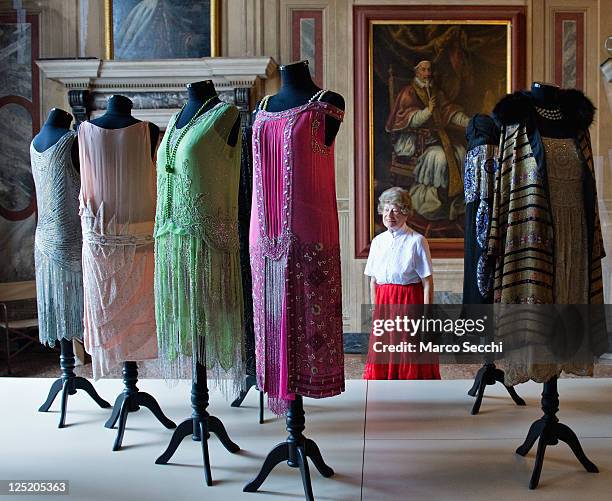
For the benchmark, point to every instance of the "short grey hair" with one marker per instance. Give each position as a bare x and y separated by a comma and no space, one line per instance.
395,196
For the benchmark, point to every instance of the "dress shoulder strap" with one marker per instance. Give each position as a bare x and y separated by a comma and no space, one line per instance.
225,122
63,146
329,108
66,141
263,104
318,95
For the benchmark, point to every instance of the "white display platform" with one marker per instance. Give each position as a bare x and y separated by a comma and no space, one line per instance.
386,440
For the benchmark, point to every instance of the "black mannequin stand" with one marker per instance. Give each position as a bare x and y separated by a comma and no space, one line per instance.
202,97
548,431
69,383
547,96
487,375
295,450
250,382
200,425
55,127
297,89
198,94
130,400
119,115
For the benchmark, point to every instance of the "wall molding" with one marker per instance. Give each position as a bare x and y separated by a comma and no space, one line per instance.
156,86
169,74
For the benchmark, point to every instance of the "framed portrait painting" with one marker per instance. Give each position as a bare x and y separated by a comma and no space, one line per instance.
420,74
161,29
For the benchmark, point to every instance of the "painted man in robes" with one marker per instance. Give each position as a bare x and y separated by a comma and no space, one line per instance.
422,108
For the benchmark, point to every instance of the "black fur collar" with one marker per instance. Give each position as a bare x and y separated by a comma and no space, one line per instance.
518,107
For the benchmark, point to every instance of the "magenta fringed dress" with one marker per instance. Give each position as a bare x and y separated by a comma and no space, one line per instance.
295,256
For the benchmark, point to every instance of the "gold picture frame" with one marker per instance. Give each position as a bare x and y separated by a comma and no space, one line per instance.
449,22
384,71
215,29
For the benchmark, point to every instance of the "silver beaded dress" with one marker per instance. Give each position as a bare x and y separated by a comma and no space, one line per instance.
57,245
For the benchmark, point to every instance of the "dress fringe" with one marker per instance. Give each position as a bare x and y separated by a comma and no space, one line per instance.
276,335
199,311
60,300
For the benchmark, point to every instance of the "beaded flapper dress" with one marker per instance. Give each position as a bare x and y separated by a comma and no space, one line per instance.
117,207
57,244
198,291
564,171
245,196
295,255
545,239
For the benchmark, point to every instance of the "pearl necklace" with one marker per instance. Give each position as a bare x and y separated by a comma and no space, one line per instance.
550,114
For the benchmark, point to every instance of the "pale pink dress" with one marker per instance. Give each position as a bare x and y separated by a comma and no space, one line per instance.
295,256
117,207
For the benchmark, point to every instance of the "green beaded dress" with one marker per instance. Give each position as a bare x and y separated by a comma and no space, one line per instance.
198,289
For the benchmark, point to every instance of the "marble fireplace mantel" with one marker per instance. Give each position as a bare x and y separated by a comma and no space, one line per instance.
157,87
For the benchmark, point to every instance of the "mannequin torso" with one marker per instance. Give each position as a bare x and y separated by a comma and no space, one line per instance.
118,115
297,88
54,128
200,93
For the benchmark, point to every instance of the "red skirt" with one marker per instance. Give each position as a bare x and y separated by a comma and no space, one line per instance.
394,294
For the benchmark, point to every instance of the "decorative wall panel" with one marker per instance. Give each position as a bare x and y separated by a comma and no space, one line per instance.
19,121
307,41
569,49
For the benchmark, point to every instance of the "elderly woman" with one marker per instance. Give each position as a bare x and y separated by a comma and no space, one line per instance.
400,268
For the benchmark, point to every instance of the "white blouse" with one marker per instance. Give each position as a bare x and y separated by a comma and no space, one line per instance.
400,257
